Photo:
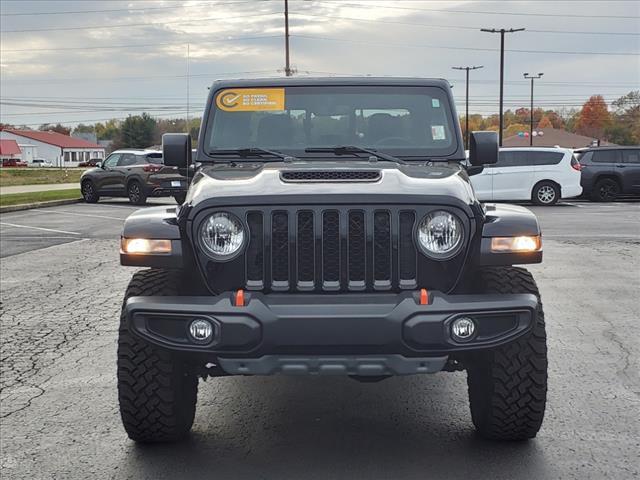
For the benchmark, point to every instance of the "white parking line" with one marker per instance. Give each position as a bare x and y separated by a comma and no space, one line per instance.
39,228
46,237
98,205
65,212
591,235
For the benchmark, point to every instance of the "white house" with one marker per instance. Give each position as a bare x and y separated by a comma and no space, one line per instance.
61,150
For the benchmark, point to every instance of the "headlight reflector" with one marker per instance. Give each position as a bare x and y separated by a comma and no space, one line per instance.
440,235
222,235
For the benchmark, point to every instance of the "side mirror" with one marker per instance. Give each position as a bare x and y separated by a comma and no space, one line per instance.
99,165
483,148
176,149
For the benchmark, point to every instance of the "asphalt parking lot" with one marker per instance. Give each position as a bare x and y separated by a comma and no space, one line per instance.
61,288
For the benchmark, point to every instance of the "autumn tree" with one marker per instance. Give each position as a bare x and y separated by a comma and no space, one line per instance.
545,123
594,117
516,128
110,130
58,128
625,124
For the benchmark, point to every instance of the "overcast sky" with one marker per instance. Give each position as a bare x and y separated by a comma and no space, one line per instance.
71,61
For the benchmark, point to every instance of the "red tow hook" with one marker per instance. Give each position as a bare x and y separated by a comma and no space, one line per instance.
240,298
424,297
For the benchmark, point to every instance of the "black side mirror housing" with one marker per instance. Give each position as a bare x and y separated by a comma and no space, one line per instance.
176,149
483,148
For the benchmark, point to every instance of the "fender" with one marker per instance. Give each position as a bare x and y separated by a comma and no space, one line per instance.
154,223
508,221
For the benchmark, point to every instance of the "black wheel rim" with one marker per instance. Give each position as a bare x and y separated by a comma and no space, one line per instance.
608,191
134,192
87,191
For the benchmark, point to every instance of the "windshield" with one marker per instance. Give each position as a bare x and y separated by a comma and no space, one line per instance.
402,121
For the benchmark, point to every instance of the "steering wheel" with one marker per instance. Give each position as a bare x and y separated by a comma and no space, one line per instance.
394,141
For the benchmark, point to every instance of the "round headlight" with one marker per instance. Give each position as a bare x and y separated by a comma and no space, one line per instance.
440,235
222,235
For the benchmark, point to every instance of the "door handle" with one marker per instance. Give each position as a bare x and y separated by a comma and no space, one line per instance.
621,166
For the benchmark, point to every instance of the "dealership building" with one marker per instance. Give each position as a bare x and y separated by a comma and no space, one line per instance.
56,148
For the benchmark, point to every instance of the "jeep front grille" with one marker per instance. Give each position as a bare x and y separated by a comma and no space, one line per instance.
325,249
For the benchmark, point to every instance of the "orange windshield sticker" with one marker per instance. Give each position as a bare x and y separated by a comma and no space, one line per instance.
250,99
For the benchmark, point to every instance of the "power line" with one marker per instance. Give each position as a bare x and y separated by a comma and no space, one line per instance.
393,22
477,12
111,10
415,45
121,25
141,45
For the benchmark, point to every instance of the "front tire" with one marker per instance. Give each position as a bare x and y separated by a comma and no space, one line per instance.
89,193
157,392
508,385
136,193
545,194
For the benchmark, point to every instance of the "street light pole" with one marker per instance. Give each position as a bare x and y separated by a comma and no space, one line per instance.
501,31
466,128
532,77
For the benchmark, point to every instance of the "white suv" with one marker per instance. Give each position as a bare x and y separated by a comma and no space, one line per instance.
541,175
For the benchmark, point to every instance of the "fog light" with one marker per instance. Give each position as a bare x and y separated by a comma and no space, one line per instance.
201,330
463,329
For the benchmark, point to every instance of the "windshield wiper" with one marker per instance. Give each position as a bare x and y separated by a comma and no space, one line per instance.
254,152
352,149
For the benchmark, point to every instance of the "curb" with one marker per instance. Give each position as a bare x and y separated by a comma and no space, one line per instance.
29,206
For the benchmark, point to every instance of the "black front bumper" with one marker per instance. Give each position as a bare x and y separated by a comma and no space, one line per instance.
269,330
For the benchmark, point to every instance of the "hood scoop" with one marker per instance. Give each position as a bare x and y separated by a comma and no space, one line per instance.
330,176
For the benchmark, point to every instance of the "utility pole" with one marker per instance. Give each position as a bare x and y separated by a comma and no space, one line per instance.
501,31
532,77
466,117
287,67
188,58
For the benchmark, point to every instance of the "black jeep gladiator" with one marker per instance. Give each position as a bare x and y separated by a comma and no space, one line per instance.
330,228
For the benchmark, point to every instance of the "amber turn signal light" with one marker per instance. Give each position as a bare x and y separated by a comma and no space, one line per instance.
144,246
516,244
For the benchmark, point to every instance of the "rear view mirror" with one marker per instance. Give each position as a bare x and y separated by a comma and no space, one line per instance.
176,149
483,148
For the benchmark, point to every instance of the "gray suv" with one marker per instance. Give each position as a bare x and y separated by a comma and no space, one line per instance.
136,174
608,172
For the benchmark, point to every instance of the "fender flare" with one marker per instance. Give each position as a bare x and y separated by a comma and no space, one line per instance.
154,223
508,221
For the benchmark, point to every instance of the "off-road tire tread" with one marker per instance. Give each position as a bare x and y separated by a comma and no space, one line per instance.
508,385
156,391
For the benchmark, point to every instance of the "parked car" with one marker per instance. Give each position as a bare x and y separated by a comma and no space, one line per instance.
137,174
13,162
93,162
40,162
608,172
540,175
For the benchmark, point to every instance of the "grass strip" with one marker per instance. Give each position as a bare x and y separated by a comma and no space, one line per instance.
37,197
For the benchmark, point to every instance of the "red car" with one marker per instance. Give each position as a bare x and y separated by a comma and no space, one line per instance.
13,162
